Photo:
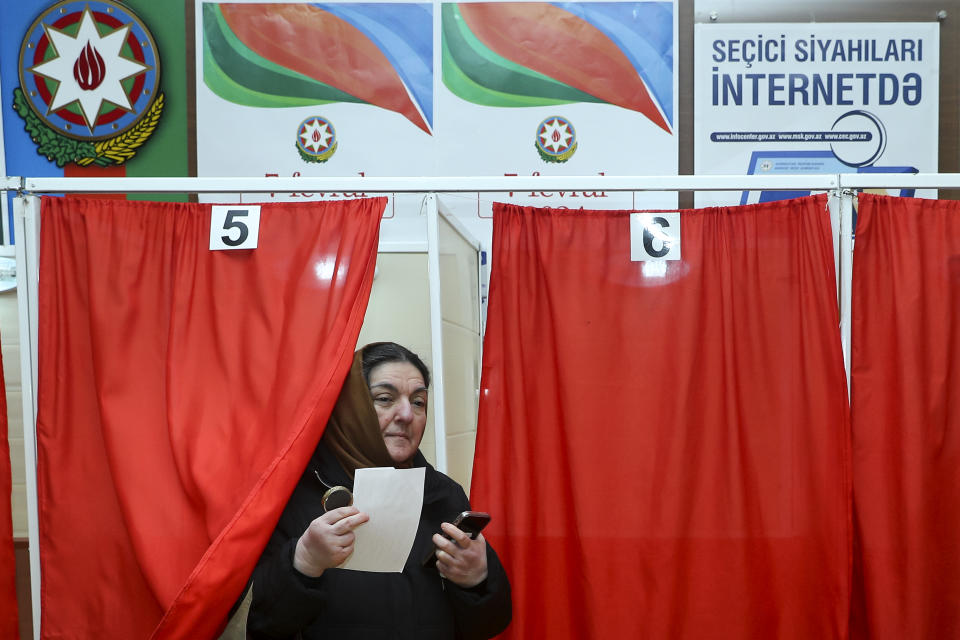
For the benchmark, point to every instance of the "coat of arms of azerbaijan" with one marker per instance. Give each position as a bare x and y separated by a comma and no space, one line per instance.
89,83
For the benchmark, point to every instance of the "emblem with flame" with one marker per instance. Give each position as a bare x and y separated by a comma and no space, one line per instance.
89,83
316,139
556,139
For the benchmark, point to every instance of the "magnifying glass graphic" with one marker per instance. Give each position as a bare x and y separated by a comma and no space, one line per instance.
336,497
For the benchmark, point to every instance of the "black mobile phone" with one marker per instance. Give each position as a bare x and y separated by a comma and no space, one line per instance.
470,522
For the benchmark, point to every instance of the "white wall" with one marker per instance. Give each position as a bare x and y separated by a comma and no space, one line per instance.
399,311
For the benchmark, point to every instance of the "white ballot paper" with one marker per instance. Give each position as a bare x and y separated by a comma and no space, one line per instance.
393,498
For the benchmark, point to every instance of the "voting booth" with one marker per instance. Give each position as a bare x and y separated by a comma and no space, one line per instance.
527,468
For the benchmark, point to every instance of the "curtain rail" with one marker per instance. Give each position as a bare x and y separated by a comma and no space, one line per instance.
431,184
455,184
899,180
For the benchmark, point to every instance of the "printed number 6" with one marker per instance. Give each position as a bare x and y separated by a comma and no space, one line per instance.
648,239
230,223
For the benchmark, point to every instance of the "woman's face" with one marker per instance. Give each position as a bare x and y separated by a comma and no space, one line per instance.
400,398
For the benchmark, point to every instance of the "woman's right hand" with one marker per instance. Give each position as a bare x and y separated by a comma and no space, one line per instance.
328,541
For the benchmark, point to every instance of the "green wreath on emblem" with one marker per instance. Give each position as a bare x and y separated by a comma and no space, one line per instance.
563,157
323,157
62,150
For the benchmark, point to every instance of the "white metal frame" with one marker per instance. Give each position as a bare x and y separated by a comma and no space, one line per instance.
844,266
467,237
434,212
455,184
436,331
27,222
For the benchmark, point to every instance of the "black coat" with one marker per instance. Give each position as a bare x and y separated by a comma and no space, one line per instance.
416,604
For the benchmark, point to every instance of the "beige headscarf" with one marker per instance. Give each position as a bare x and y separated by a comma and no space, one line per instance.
353,431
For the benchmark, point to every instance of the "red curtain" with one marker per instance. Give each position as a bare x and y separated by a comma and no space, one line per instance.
906,422
181,393
665,453
9,625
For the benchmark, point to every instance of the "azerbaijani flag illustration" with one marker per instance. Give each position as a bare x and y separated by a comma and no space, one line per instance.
526,54
286,55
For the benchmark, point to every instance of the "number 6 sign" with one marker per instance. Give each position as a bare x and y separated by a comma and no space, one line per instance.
234,227
655,237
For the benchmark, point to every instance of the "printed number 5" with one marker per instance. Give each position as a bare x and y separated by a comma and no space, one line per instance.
231,223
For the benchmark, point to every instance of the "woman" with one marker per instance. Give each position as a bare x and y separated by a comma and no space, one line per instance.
298,592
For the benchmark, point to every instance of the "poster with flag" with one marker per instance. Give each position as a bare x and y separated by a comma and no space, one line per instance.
344,86
571,88
324,90
401,88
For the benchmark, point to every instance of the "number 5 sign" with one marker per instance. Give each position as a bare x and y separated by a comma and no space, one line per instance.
654,237
234,227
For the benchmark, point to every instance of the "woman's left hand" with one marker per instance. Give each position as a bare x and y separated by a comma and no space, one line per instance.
462,561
